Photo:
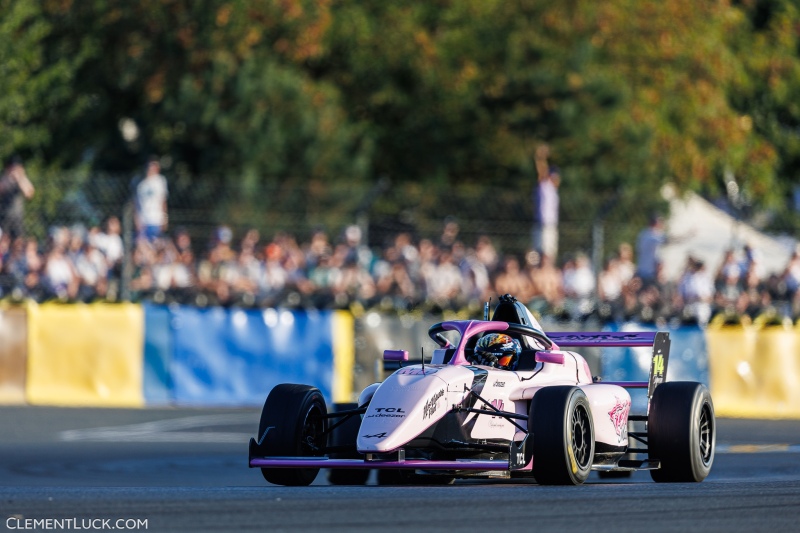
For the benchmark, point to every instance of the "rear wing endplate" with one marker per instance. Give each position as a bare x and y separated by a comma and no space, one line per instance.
625,339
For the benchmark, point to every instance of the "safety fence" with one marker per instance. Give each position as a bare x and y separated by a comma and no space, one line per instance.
131,355
297,205
136,355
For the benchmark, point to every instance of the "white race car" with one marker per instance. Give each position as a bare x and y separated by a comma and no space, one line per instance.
499,398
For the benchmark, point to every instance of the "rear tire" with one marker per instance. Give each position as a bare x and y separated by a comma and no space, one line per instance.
681,432
346,435
563,436
293,425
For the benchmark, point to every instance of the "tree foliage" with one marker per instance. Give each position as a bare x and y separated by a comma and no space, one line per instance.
629,94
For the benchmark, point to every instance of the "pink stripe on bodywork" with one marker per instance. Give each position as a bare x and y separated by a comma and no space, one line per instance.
413,464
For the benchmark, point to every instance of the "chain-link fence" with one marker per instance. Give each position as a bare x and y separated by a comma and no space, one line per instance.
300,207
334,244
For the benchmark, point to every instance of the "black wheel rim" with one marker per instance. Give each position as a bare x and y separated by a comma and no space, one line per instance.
581,436
311,438
706,437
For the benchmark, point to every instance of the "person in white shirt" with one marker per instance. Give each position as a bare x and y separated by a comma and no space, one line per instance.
151,203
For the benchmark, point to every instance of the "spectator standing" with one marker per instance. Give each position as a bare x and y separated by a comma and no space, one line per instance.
91,267
609,289
729,290
59,272
548,281
218,268
476,282
545,203
151,202
791,281
450,233
356,248
15,188
513,280
354,284
486,253
110,243
626,268
696,290
579,286
325,277
14,266
728,269
648,243
274,277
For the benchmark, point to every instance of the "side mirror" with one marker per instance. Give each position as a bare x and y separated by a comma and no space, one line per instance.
550,357
395,355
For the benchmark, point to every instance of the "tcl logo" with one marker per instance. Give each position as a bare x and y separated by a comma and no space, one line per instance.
389,410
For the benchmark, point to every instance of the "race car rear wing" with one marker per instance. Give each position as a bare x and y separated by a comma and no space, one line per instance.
625,339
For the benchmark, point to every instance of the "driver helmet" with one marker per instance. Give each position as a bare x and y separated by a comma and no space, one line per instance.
498,350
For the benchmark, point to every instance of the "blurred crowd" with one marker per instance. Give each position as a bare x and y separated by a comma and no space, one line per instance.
340,271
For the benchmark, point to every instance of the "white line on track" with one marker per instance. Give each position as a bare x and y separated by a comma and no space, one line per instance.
758,448
168,430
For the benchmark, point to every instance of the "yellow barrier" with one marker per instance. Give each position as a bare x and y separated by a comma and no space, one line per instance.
344,356
13,354
754,370
85,354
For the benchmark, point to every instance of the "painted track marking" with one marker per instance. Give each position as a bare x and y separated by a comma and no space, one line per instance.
168,430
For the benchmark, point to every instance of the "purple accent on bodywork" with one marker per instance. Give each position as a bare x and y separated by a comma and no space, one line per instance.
604,338
550,357
395,355
413,464
626,384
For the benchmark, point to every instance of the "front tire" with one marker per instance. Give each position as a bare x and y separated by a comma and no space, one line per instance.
563,436
681,432
292,424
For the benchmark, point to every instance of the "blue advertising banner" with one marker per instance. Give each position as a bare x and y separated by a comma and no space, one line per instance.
157,355
236,356
688,356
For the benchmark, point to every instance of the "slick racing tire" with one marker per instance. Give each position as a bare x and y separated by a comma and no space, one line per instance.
681,432
563,435
346,435
292,424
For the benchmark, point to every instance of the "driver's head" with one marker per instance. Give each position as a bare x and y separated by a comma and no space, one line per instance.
498,350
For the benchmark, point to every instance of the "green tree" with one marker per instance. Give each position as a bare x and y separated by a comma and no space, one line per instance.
765,94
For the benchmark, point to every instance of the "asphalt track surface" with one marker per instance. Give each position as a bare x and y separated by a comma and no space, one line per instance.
185,470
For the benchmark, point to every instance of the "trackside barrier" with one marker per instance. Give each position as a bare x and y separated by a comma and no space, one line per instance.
236,356
344,356
13,354
158,348
80,355
688,360
376,332
132,355
755,370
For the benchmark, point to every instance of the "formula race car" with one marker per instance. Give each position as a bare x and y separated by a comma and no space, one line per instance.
499,399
